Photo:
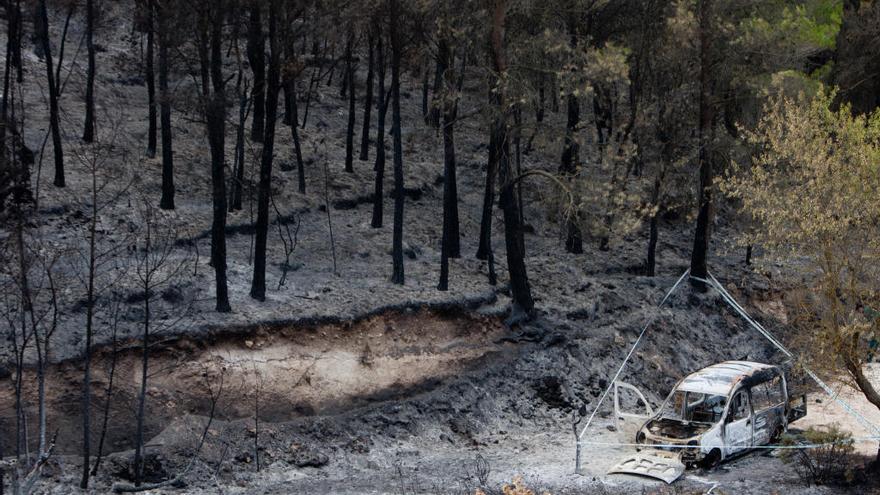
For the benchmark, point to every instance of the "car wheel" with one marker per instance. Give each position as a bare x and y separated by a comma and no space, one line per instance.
712,460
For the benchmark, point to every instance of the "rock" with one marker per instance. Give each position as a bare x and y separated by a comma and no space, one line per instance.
412,252
153,467
304,456
359,445
556,339
172,295
580,314
137,297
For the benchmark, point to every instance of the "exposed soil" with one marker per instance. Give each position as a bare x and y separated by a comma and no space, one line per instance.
285,372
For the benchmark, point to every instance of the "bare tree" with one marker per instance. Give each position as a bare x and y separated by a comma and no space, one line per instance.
155,268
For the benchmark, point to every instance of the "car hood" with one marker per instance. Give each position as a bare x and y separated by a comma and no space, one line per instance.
675,429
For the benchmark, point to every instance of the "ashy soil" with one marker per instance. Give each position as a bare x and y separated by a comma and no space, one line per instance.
341,382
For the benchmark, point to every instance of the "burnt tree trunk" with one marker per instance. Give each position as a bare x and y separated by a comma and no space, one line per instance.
699,254
238,170
150,76
89,126
349,131
426,77
294,132
397,276
521,293
167,200
211,56
256,48
450,246
450,183
42,29
14,30
368,102
380,137
264,189
484,249
569,167
651,260
434,113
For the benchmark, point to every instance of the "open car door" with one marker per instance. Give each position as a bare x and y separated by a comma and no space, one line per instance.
631,410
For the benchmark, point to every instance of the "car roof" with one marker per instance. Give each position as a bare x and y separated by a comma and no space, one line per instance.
721,378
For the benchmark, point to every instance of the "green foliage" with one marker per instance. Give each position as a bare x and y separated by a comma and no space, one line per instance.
832,463
812,188
814,23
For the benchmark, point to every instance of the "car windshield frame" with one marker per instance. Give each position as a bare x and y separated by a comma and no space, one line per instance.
697,412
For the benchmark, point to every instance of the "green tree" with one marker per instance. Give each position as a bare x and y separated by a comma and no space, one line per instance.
813,191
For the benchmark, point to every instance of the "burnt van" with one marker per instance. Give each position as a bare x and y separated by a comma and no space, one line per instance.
711,415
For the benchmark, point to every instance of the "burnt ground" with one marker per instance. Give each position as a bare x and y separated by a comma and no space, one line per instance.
363,386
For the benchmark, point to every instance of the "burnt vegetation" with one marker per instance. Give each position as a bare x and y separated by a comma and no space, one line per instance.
180,175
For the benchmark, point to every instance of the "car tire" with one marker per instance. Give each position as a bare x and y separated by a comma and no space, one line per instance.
712,460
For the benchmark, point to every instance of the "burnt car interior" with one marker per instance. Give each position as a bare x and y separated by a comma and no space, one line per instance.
700,407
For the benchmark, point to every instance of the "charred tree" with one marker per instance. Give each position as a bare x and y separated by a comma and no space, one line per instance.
434,112
569,167
150,76
167,200
699,255
368,102
570,154
238,170
214,92
522,304
264,189
484,249
256,55
292,114
450,247
426,75
449,102
349,132
89,125
397,276
14,31
297,147
42,29
380,137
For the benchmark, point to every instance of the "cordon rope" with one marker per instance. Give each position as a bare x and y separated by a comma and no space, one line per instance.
725,295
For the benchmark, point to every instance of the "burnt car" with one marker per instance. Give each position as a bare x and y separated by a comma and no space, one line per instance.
710,416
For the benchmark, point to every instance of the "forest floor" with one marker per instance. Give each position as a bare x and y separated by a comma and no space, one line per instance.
362,386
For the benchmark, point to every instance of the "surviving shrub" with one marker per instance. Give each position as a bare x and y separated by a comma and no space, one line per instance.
518,487
832,463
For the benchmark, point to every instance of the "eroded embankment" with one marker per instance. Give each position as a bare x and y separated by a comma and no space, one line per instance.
282,372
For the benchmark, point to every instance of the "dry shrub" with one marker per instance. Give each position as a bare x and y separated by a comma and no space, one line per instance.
832,463
518,487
